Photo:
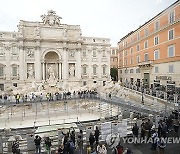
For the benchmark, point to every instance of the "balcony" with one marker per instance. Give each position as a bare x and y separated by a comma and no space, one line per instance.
94,75
105,75
83,76
146,64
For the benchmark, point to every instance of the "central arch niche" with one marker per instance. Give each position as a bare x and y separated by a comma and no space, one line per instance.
51,57
52,67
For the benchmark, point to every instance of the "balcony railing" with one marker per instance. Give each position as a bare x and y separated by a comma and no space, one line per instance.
145,63
84,75
104,75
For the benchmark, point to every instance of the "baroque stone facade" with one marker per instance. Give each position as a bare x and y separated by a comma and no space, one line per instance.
51,52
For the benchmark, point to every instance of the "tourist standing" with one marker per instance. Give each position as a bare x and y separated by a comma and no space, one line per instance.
96,134
143,130
71,146
72,136
80,142
119,148
135,131
155,140
17,97
176,125
48,145
37,142
15,147
91,139
101,149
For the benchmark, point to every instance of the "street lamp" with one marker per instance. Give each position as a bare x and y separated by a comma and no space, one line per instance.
142,90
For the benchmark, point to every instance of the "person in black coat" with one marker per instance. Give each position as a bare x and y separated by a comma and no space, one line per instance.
91,139
135,130
96,134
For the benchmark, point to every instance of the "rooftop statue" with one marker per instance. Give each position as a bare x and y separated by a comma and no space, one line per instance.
51,18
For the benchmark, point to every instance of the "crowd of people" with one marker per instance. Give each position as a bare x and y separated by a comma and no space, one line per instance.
32,97
73,141
167,126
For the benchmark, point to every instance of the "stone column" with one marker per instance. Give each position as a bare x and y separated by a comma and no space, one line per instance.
65,64
78,64
22,72
38,70
60,71
45,71
43,75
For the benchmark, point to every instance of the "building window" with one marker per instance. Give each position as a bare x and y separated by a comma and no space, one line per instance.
171,34
94,70
104,53
104,70
146,57
157,26
113,52
14,71
126,44
138,59
126,71
138,36
120,71
126,52
84,53
1,71
156,69
171,68
146,31
2,87
156,55
156,40
131,50
84,83
171,51
131,40
104,83
138,70
94,53
138,47
15,84
131,71
125,62
131,60
94,40
14,50
84,70
146,44
171,17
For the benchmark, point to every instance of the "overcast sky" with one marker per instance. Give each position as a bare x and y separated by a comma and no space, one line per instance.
99,18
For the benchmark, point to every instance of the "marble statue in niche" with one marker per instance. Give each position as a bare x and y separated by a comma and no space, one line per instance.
51,73
71,71
30,72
